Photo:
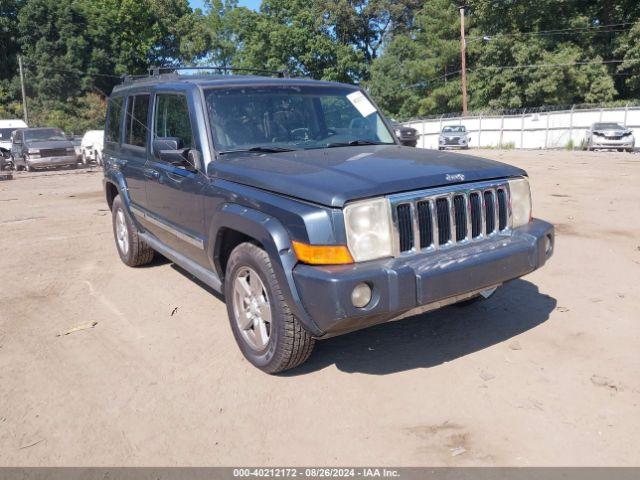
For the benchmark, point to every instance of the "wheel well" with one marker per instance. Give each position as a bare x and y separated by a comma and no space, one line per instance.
111,192
226,241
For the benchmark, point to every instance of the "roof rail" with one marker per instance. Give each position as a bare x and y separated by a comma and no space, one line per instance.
155,71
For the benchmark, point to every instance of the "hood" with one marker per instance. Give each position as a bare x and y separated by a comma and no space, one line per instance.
334,176
48,144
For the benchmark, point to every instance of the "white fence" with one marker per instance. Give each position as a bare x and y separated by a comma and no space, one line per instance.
527,130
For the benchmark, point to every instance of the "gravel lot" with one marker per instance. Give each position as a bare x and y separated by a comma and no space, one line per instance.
545,373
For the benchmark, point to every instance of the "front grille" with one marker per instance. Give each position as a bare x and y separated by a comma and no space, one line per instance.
54,152
449,216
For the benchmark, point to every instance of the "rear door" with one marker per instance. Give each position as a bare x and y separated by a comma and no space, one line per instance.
174,199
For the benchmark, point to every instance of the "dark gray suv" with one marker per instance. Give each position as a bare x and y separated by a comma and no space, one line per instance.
295,200
33,148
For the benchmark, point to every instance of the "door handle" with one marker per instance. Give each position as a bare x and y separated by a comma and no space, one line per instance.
151,173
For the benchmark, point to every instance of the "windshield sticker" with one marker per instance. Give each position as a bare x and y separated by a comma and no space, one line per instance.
362,103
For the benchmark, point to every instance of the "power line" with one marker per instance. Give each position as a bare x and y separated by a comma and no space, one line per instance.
587,30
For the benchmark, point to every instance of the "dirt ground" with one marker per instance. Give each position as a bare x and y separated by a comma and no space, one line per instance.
547,372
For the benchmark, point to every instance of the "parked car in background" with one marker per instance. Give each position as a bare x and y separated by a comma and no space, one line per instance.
33,148
610,136
294,199
408,136
91,146
7,127
76,140
453,136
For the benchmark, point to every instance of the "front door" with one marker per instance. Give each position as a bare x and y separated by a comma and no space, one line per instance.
174,199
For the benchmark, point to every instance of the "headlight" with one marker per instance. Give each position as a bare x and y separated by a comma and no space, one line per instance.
520,202
368,227
34,151
397,132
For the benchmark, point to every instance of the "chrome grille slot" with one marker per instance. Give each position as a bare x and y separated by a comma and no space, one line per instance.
405,227
489,212
444,221
425,224
460,214
502,209
449,216
476,214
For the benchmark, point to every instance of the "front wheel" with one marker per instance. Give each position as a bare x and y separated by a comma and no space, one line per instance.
266,331
27,166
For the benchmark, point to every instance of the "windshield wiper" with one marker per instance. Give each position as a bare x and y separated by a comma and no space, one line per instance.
354,143
264,149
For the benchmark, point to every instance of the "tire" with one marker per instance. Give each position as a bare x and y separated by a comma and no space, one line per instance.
27,166
287,344
84,158
98,158
132,250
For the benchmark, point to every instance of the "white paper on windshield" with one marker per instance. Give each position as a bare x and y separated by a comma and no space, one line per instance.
362,103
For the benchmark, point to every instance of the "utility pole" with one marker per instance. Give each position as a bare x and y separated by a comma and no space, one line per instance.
463,55
24,94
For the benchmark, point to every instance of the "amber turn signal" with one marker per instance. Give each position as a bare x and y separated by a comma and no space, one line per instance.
322,254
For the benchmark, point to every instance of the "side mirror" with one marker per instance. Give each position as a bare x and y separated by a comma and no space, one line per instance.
170,150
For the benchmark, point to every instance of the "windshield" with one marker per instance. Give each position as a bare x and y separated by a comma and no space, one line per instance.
292,117
454,129
5,134
44,135
607,126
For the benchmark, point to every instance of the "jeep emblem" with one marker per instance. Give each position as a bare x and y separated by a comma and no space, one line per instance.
456,177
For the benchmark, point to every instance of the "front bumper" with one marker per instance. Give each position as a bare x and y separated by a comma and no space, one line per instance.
53,161
420,280
601,142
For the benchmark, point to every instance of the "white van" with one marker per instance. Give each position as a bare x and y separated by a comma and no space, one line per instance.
6,127
91,146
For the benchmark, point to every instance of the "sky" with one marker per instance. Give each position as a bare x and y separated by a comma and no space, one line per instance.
253,4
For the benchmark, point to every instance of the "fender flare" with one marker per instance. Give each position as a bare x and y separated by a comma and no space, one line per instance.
275,240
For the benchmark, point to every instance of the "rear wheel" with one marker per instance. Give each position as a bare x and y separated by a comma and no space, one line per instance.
131,248
266,331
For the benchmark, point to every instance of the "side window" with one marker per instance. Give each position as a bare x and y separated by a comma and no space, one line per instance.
172,119
114,121
135,132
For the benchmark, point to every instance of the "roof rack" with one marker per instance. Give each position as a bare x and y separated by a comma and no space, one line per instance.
169,71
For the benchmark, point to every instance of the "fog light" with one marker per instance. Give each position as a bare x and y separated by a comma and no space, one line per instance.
361,295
